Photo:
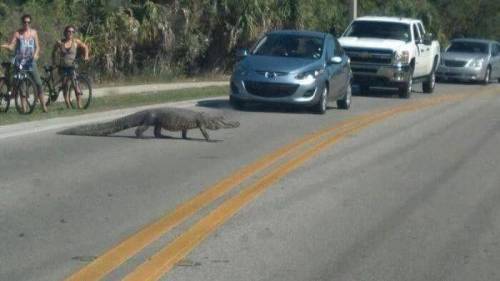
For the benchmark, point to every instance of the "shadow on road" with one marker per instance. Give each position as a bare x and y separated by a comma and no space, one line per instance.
258,107
372,93
147,137
458,82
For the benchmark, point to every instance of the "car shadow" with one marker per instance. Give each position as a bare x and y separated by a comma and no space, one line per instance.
256,107
215,103
458,82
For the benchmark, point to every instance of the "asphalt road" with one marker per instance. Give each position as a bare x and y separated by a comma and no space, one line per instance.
389,190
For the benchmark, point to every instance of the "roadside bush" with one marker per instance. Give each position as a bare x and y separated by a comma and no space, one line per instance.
184,37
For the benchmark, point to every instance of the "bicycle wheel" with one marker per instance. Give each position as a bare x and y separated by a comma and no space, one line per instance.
25,89
4,95
49,94
82,83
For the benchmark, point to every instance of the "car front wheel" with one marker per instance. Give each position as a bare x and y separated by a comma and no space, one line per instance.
345,102
320,107
487,76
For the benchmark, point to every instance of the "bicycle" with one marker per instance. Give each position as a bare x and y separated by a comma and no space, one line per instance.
19,86
77,81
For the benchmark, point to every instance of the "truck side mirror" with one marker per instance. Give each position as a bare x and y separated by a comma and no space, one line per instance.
428,37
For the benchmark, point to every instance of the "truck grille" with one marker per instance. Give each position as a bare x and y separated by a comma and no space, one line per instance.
270,90
455,63
375,56
363,69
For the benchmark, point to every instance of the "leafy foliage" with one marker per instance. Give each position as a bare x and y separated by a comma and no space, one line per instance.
168,37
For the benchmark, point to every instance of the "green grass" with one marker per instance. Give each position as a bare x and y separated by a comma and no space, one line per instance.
113,102
149,79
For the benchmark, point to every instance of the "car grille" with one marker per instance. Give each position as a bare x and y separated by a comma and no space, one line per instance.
271,90
455,63
375,56
274,73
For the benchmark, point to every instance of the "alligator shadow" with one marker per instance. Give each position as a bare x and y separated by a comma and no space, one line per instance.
147,137
163,137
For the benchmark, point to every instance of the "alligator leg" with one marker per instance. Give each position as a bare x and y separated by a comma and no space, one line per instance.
158,131
140,130
204,132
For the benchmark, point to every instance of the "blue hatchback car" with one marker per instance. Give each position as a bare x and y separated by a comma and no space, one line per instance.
293,67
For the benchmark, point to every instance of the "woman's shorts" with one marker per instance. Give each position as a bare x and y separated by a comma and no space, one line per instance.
66,71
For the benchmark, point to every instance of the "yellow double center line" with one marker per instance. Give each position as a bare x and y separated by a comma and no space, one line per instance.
166,258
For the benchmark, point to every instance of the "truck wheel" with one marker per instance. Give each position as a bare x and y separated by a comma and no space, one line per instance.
345,102
429,84
405,89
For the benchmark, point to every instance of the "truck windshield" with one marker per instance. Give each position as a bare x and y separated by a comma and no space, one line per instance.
382,30
469,47
290,45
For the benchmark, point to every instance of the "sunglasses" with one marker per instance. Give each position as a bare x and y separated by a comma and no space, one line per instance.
70,31
27,22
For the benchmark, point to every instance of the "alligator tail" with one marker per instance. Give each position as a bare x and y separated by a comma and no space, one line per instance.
107,128
215,123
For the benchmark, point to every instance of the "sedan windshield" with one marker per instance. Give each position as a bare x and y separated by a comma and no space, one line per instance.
382,30
290,45
469,47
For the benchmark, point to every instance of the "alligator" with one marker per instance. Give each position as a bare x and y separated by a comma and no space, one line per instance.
171,119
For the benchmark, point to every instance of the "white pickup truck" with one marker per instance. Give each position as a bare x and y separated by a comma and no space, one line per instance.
389,52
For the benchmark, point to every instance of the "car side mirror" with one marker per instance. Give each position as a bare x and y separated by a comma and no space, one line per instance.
428,37
335,60
242,53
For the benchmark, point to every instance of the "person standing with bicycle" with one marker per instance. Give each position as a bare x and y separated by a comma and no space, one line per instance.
26,46
66,50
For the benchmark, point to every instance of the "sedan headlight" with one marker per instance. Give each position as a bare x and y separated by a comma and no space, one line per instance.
313,74
402,58
475,63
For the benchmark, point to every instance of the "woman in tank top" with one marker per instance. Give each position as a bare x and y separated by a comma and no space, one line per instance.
26,46
64,55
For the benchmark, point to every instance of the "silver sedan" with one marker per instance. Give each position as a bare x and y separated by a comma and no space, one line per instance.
293,67
471,60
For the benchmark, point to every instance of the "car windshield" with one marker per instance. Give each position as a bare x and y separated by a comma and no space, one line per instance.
469,47
290,45
382,30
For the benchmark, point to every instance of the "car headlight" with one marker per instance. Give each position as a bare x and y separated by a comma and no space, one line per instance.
402,58
312,74
476,63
